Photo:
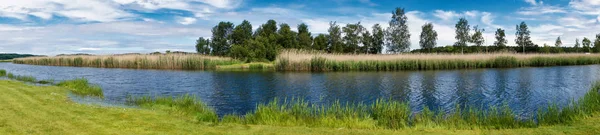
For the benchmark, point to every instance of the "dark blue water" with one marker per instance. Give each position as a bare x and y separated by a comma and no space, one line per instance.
523,89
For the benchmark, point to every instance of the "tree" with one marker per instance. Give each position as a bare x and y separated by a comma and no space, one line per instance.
352,37
500,39
477,37
546,48
241,33
304,37
577,45
586,44
335,38
428,37
522,36
203,46
367,42
378,39
597,43
558,45
221,38
267,29
287,37
462,33
398,34
320,42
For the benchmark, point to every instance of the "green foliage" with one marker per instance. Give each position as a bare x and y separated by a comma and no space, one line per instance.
523,39
241,33
287,37
378,39
305,39
8,56
586,45
352,37
500,39
81,86
320,42
597,44
202,46
221,38
428,37
2,72
335,38
462,33
397,33
477,37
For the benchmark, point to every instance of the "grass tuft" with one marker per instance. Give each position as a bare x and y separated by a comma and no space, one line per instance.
186,104
2,72
82,87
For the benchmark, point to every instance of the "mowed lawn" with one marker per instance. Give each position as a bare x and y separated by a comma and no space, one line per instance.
28,109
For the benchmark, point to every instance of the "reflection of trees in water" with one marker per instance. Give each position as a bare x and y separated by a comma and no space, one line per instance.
400,87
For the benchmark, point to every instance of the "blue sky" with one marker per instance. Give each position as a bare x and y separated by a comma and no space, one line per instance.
51,27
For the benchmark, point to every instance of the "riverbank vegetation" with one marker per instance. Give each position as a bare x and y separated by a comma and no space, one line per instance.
79,86
160,61
386,114
316,61
28,109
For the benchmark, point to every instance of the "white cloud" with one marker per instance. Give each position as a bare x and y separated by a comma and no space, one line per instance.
83,10
445,15
187,20
532,2
541,9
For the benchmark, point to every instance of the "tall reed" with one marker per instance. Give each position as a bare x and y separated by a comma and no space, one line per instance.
330,62
168,61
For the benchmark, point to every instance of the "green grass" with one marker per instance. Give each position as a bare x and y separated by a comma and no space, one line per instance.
82,87
322,64
6,60
28,109
2,72
186,105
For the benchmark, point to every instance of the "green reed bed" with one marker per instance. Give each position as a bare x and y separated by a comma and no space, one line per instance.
175,62
186,104
82,87
382,113
323,64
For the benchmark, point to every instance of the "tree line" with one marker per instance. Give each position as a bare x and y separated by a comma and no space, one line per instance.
265,42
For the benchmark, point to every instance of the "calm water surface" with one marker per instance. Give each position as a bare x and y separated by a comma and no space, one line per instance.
523,89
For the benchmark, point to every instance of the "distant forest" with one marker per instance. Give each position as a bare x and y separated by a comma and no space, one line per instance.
8,56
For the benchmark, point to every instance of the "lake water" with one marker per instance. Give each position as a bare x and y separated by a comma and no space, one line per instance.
523,89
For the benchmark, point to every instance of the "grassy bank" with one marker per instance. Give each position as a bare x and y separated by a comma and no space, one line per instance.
79,86
6,60
385,114
28,109
167,61
303,61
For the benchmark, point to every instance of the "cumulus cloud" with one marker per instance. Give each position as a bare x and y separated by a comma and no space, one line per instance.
187,20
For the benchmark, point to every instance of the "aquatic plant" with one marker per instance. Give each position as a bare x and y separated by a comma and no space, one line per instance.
298,61
167,61
81,86
2,72
186,104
